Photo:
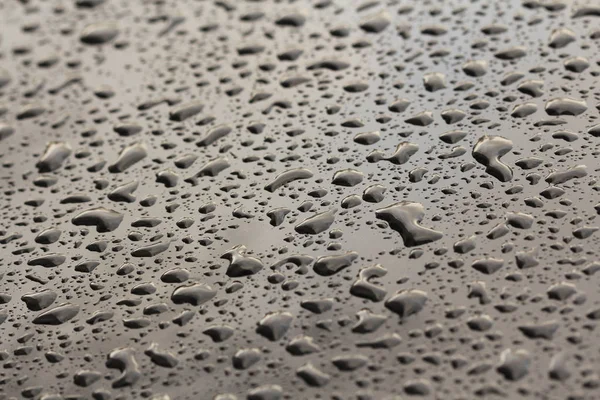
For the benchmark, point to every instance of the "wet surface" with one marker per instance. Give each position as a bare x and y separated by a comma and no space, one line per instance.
299,200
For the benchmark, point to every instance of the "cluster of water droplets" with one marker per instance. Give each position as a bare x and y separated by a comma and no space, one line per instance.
321,199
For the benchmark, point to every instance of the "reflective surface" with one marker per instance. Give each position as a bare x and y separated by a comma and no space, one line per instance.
299,200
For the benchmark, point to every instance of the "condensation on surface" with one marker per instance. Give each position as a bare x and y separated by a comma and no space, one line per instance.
316,199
